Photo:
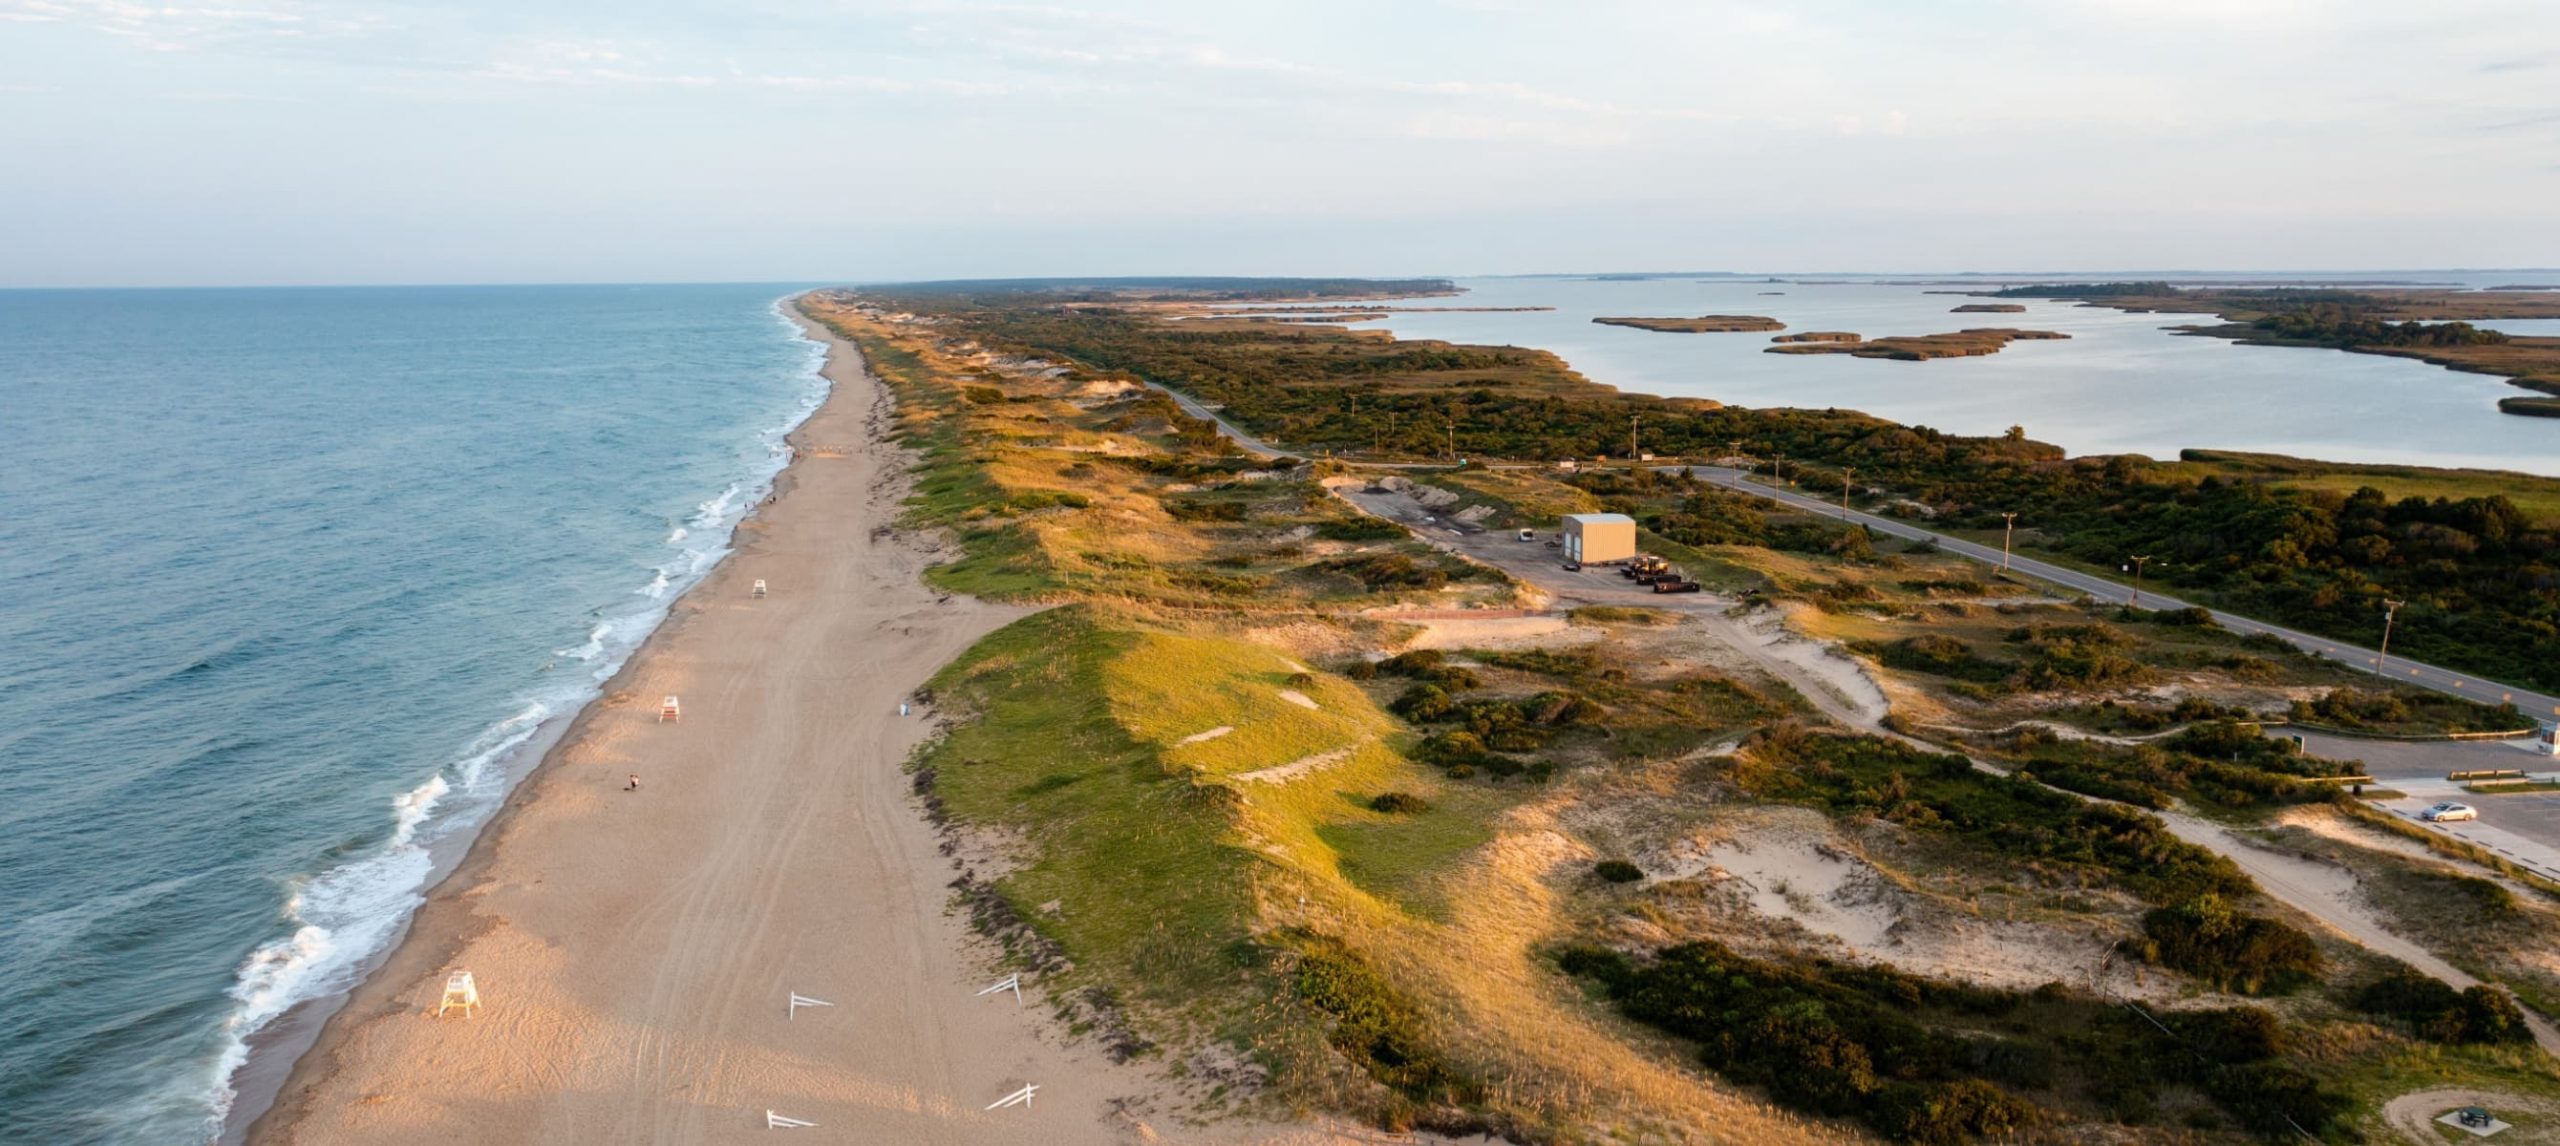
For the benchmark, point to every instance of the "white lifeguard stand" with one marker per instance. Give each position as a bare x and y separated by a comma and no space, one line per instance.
669,709
459,993
758,591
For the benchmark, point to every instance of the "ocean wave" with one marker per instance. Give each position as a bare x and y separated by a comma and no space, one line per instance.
345,916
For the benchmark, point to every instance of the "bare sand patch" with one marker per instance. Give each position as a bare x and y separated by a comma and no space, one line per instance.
1212,734
1300,699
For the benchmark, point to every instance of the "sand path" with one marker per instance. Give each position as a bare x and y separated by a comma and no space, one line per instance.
635,950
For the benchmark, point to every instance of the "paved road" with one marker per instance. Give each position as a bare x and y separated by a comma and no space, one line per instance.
2534,704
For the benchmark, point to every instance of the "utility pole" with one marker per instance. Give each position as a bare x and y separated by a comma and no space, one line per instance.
2008,526
1634,451
1845,475
2390,609
2138,563
1453,437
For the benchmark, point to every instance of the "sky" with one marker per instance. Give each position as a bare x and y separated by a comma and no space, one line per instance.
283,142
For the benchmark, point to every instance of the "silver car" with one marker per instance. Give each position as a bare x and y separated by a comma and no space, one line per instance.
2448,812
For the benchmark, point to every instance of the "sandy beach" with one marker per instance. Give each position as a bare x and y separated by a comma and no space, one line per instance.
635,950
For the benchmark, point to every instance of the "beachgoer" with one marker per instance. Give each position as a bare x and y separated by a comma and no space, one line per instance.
634,785
902,710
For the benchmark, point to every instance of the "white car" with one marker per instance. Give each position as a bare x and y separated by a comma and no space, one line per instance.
2448,812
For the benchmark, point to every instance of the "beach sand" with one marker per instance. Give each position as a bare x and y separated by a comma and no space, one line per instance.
634,951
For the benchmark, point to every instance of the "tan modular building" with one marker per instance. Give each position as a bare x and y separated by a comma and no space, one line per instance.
1591,538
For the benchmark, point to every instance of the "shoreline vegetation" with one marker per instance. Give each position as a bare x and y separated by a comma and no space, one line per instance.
1703,324
1988,308
1313,812
2432,326
1969,343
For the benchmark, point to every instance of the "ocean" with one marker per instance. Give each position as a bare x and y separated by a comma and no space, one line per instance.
292,584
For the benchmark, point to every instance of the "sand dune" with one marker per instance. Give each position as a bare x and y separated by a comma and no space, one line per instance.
635,950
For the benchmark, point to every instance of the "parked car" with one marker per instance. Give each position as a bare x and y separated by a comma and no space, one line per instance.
1573,567
1528,535
1675,585
2448,812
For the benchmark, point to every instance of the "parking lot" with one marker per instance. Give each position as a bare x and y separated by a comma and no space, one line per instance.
2523,826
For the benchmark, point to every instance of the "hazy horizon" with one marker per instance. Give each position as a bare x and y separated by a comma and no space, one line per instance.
277,142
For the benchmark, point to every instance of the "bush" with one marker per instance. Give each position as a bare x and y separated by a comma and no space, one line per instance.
2207,938
1375,1027
1204,509
1422,703
1399,804
1949,1112
2272,1099
1617,871
1359,529
2436,1012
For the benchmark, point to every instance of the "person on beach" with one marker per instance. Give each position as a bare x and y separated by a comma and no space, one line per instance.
634,785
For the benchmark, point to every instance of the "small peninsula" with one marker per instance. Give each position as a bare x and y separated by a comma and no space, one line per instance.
2432,326
1989,308
1703,324
1821,336
1971,343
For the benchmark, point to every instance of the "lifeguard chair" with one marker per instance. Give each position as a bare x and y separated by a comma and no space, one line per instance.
668,710
460,993
758,591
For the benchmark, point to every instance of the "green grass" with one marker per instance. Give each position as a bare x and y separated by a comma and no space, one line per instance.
1137,849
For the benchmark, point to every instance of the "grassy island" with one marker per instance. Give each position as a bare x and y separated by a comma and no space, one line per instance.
1821,336
1989,308
1920,348
1703,324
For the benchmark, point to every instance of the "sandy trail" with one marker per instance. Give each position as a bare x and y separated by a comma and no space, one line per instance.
635,949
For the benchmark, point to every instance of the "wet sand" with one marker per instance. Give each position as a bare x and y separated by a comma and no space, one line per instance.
635,950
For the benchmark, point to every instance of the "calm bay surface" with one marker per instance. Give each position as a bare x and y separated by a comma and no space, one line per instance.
2121,384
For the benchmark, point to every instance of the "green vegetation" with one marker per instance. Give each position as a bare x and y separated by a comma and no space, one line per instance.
1617,871
2052,833
2220,763
2205,937
1923,1060
2475,569
1703,324
2433,1011
1968,343
2364,710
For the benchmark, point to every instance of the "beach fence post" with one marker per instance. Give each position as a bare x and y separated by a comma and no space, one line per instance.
459,992
669,709
759,589
1011,983
798,1001
773,1121
1021,1098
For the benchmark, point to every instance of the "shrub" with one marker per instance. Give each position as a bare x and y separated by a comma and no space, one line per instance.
1422,703
1617,871
2438,1013
1204,509
1453,747
1375,1027
1358,529
1948,1112
2207,938
2272,1098
1399,804
982,395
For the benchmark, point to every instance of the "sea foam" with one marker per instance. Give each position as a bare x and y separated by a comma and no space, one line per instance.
345,917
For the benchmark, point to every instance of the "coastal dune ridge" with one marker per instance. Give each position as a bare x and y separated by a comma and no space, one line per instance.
633,949
346,918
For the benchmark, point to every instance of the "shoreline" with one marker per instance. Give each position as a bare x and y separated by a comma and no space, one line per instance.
311,1029
625,972
465,812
